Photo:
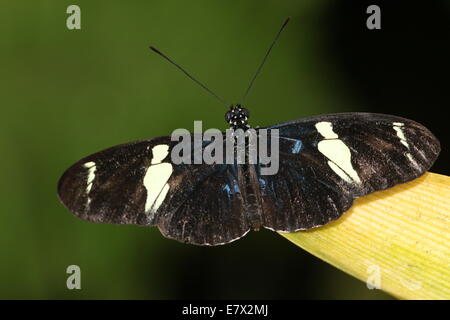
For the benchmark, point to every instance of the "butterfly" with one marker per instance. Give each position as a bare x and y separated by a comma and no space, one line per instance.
325,163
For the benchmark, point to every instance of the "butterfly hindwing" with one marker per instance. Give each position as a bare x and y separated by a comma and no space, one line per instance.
302,195
214,212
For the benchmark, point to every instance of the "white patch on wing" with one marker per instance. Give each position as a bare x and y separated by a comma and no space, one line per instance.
337,152
91,176
410,157
339,171
398,127
160,152
156,177
326,130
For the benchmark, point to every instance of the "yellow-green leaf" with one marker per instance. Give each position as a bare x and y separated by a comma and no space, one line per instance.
398,239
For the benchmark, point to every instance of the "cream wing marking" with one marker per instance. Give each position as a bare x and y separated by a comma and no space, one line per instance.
326,130
155,179
337,152
90,178
398,127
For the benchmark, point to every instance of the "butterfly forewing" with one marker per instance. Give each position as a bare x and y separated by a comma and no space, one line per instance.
108,186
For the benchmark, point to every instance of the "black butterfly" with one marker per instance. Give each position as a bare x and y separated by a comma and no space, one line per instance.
325,163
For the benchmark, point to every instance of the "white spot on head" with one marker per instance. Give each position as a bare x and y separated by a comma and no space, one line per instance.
155,179
337,152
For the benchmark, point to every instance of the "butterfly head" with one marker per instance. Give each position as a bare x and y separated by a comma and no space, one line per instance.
237,117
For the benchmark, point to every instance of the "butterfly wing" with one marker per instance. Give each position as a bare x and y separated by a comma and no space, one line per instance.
214,213
327,161
109,186
137,183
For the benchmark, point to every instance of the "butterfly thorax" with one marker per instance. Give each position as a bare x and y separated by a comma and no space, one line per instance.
237,117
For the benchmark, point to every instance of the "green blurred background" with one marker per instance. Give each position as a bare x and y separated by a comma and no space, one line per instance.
66,94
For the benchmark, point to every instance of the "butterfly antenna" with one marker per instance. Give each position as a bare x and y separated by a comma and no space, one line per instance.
264,60
189,75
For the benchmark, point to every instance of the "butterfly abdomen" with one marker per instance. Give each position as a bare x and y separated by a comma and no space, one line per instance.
251,195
